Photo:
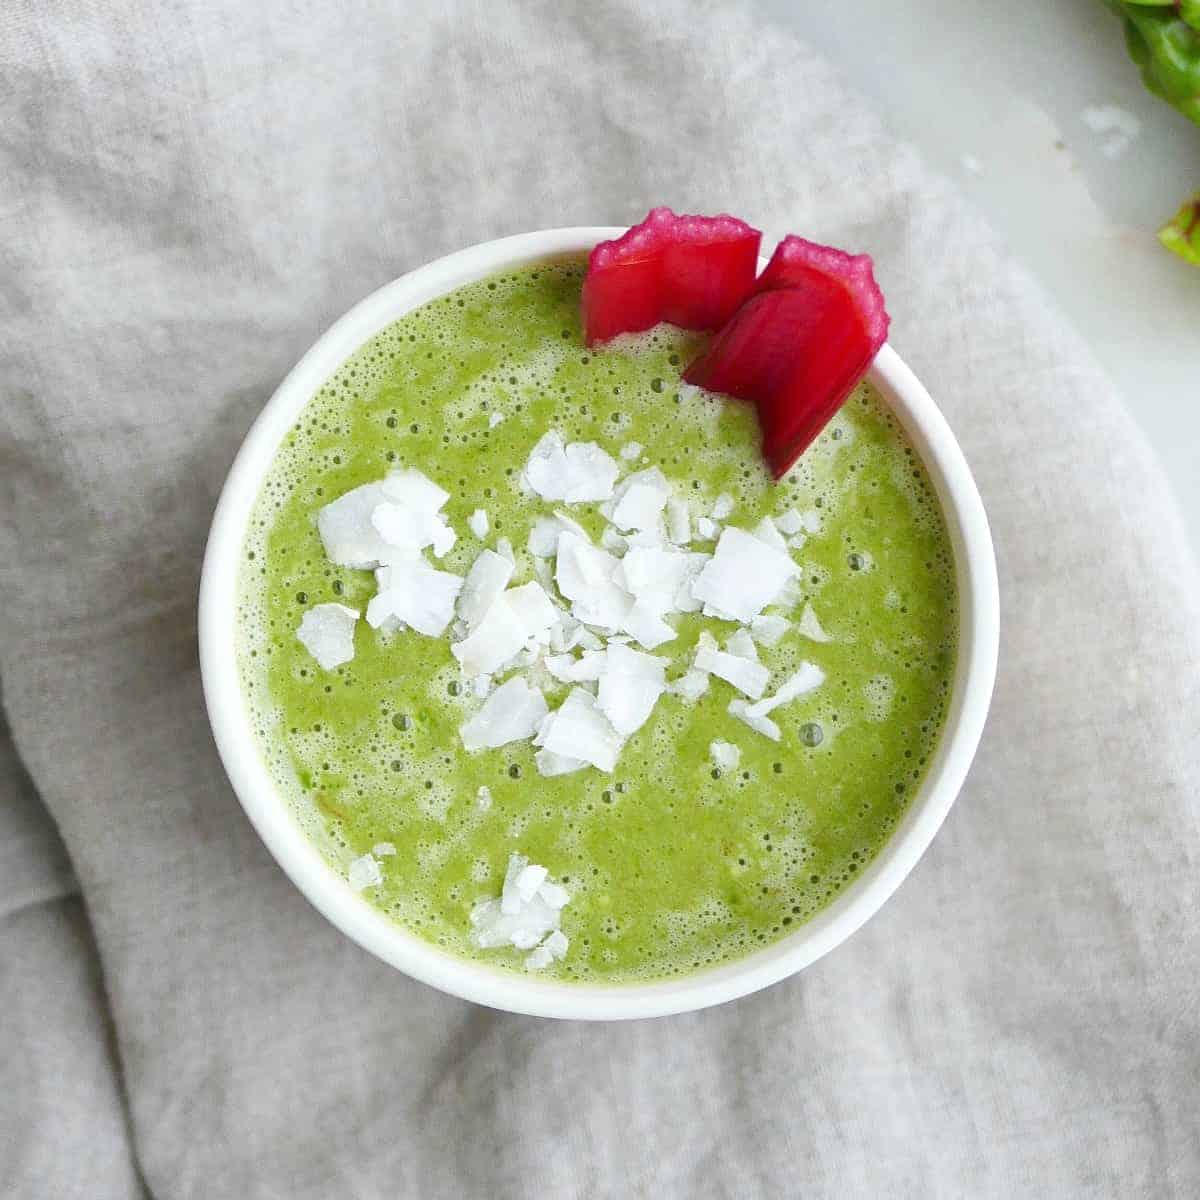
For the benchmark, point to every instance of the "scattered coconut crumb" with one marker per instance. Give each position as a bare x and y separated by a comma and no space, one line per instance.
478,523
327,633
483,798
707,530
722,506
631,451
527,914
383,849
364,872
726,755
495,420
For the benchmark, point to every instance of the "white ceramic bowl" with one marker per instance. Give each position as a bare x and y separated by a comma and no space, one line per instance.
332,895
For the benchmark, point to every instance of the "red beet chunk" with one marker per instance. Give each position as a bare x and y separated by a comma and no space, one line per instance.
690,271
799,344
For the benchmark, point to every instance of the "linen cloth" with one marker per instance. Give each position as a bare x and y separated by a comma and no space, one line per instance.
191,192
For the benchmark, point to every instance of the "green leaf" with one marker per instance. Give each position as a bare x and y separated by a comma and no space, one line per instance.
1164,41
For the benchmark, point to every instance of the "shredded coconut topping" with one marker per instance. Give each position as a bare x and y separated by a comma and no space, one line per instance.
586,622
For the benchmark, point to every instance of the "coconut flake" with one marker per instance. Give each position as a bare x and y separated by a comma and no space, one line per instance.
645,624
631,451
415,490
483,798
553,949
745,675
521,916
493,928
789,522
383,849
810,521
499,637
722,507
327,633
789,595
444,538
810,627
495,420
684,600
766,531
478,523
584,574
539,958
485,582
640,499
550,764
556,896
726,755
630,686
768,630
691,685
707,530
679,522
575,473
528,880
806,679
741,709
534,609
580,730
742,644
418,595
511,713
613,542
504,548
543,537
349,538
743,577
568,669
364,872
585,639
649,572
406,531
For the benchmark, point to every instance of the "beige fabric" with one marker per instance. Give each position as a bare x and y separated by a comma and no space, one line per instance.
190,193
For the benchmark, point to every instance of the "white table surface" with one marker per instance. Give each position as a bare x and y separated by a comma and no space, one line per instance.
1007,85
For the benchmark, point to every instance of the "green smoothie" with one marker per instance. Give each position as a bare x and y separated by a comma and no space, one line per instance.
685,854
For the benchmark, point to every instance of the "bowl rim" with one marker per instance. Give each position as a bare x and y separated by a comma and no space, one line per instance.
270,811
